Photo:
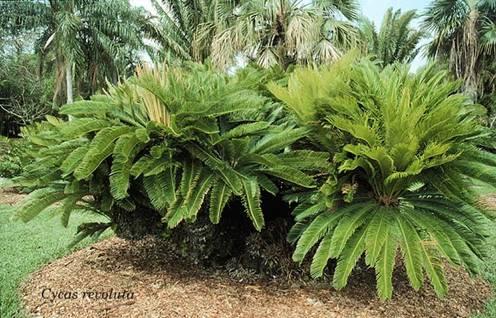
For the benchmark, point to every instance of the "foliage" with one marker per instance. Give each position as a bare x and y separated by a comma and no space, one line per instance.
85,35
25,97
185,28
164,141
396,40
286,32
13,156
403,178
464,37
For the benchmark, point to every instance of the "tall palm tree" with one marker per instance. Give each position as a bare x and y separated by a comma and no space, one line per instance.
464,35
80,37
185,29
396,40
286,31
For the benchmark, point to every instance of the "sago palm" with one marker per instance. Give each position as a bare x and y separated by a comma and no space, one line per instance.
162,145
404,179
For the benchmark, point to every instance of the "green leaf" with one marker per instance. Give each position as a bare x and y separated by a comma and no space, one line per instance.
384,268
126,148
322,224
100,148
410,246
356,215
348,258
196,200
73,160
252,203
245,130
321,257
80,127
377,230
291,175
219,196
37,201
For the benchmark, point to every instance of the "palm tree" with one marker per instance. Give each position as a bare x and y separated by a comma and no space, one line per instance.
464,35
286,31
80,37
185,29
395,41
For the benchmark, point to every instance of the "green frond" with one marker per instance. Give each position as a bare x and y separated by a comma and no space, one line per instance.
354,217
37,201
125,150
80,127
377,230
384,267
278,141
251,201
321,257
243,130
99,149
348,258
87,108
321,225
410,247
292,175
196,200
160,189
73,160
219,196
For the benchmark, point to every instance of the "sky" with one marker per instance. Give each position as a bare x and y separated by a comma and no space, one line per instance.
373,9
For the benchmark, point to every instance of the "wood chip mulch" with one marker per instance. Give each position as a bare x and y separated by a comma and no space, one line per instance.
144,279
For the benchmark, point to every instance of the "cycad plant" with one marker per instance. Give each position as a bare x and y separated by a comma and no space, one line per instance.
160,148
403,181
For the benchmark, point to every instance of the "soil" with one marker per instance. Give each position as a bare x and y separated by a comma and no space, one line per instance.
145,279
10,196
163,286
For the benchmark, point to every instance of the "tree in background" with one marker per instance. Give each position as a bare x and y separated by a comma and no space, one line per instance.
464,36
185,29
396,40
284,32
80,39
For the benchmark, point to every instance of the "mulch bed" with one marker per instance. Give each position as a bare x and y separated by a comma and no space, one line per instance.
146,280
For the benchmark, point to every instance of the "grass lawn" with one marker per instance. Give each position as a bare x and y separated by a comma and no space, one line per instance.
489,273
26,247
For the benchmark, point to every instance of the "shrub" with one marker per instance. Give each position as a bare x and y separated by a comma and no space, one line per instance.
175,145
13,155
161,148
406,151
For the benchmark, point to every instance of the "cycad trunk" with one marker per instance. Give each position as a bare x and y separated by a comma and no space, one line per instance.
137,224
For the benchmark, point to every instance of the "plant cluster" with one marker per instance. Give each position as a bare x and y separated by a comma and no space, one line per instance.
13,156
376,160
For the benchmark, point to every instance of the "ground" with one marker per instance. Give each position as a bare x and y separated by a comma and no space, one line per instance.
26,247
154,283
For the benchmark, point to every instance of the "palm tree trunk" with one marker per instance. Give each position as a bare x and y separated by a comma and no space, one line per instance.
68,80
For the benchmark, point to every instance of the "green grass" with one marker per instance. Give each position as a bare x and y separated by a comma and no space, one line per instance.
25,247
489,273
